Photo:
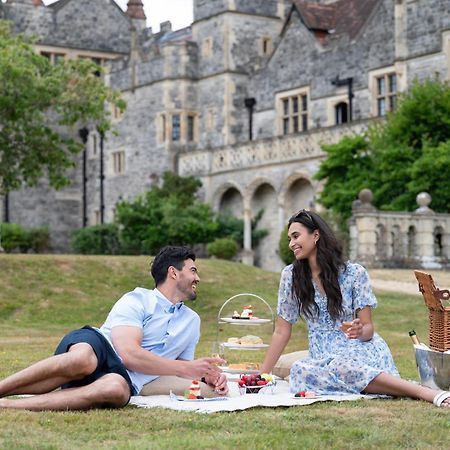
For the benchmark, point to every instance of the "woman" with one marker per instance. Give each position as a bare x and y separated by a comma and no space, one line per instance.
327,291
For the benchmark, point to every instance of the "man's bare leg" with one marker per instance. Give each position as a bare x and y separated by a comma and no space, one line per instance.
48,374
109,391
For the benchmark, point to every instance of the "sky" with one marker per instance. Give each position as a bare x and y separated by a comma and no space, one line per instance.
179,12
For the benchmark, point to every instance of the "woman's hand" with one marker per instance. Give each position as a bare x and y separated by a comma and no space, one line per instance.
360,328
355,331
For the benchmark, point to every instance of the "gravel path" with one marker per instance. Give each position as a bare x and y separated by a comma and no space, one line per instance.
404,281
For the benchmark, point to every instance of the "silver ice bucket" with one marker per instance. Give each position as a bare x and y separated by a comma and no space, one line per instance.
433,367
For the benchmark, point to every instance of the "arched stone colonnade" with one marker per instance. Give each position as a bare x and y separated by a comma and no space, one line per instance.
278,200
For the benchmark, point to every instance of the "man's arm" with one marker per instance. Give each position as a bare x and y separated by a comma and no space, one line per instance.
127,342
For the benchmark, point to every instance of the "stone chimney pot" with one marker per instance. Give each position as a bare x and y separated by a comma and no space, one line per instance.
135,9
166,27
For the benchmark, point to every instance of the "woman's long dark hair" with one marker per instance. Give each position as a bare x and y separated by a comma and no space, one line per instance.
330,260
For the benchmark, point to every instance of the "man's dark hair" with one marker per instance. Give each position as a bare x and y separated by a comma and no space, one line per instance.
169,256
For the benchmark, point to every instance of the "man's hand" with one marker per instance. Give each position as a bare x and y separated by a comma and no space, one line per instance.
219,383
202,367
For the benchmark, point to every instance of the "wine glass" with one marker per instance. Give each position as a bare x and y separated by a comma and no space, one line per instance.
218,351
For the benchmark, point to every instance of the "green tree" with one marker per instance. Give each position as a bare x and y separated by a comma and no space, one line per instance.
223,248
172,214
430,173
346,170
284,251
397,158
232,227
165,215
41,105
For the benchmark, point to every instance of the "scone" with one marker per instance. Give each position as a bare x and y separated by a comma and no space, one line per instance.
244,366
250,340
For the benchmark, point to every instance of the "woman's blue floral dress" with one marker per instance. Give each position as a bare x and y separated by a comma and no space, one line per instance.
336,365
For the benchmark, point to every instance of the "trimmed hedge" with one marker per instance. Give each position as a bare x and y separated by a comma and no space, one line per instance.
223,248
97,240
284,251
15,238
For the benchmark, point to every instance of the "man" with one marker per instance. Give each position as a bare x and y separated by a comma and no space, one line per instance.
148,337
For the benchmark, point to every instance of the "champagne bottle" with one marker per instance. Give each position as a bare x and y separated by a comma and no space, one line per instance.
413,336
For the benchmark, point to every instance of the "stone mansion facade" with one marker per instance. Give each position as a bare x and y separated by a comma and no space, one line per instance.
242,99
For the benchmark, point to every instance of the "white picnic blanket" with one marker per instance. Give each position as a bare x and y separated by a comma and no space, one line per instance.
237,402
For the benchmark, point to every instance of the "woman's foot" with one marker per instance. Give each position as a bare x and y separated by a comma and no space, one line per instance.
442,399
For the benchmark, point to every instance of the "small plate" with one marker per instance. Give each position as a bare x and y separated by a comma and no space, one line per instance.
246,347
306,398
244,321
180,398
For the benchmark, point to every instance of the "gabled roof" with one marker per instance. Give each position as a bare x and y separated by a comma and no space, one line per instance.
31,2
61,3
316,16
339,17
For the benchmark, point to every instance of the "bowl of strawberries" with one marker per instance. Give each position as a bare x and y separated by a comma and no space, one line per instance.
256,384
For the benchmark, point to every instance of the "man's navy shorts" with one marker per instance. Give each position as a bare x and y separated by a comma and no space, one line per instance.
108,361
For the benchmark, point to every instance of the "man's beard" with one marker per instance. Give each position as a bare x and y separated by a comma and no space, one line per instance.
192,296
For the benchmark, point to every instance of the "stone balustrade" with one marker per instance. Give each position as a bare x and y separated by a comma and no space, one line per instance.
418,239
264,152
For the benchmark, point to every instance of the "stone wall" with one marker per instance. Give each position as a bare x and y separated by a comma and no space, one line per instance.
235,49
204,9
399,239
425,20
300,60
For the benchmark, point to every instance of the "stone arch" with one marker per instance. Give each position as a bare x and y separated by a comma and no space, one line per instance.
229,197
255,185
412,246
438,239
396,242
265,251
298,193
381,241
341,113
445,240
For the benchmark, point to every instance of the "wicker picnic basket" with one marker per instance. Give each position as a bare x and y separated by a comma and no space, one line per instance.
439,313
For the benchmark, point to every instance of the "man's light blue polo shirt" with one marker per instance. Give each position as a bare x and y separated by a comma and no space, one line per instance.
171,331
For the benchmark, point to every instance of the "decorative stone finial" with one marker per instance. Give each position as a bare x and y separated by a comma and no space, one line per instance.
423,200
135,9
364,201
366,196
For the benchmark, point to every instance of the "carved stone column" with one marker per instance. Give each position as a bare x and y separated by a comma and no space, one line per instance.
247,254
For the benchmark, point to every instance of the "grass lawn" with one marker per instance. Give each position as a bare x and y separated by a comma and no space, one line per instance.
42,297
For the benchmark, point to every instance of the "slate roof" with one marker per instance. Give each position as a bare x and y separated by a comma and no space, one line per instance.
340,17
